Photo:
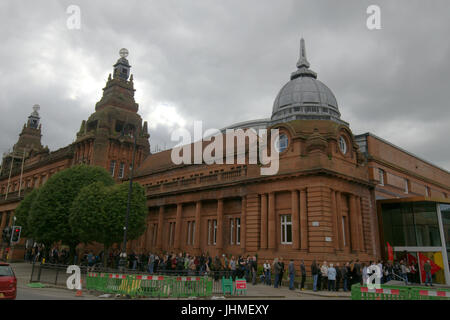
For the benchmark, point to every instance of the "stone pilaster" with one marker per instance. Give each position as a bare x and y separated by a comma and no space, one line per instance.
263,232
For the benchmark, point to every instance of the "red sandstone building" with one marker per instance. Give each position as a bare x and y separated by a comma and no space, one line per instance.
320,205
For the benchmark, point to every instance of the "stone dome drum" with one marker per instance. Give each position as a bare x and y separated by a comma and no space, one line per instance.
305,97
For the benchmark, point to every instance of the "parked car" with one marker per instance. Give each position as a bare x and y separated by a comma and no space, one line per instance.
8,282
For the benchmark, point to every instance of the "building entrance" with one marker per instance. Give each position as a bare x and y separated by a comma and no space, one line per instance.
415,258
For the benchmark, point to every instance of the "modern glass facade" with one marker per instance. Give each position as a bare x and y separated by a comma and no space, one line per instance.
445,212
419,231
411,224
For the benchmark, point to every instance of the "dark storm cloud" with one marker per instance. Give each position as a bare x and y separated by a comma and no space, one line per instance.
225,61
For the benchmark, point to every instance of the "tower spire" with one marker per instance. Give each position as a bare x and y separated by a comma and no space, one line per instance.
302,61
303,64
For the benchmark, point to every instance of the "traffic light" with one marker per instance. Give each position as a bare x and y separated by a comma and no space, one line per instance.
16,234
6,234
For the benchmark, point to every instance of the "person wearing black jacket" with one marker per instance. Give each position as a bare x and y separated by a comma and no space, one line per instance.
303,272
254,269
315,273
281,271
180,263
319,278
357,272
345,271
338,275
201,266
241,267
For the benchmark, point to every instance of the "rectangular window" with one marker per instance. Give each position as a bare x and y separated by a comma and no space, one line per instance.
406,185
427,191
286,229
215,231
193,232
209,232
155,234
381,176
238,230
231,231
171,233
212,232
112,167
189,232
121,169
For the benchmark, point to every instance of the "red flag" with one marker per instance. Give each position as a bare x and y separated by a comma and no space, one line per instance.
422,260
412,259
390,252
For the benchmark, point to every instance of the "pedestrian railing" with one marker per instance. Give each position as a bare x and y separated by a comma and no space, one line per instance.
53,274
387,292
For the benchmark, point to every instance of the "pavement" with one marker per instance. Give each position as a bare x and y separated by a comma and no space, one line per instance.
259,291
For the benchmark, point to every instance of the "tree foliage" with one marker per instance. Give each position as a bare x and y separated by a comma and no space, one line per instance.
51,208
22,213
98,213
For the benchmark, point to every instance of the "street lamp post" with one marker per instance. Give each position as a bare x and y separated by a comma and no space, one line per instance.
123,255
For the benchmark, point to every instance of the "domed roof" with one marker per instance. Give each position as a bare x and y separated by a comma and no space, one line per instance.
305,97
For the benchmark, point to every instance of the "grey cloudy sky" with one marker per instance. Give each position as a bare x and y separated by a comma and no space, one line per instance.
225,61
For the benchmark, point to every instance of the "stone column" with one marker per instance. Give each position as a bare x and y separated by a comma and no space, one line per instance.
243,222
3,223
152,238
219,240
360,224
334,220
303,221
354,223
160,228
198,209
148,235
339,219
178,226
263,244
11,219
295,220
272,222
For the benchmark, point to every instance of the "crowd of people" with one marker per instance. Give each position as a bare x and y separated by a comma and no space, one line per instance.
325,276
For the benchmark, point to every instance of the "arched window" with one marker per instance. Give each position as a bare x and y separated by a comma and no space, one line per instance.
282,142
342,145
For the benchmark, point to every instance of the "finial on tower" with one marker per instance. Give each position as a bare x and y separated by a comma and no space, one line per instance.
303,64
122,67
302,61
33,119
123,53
36,108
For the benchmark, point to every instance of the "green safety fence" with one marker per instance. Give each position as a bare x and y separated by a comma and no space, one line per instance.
387,292
149,286
430,294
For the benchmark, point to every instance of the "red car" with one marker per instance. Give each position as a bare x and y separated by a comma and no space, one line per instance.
8,282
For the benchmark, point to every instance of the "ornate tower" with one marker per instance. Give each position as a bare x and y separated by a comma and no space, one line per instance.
29,142
106,139
30,137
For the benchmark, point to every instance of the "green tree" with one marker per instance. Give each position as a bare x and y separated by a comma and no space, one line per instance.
98,214
22,213
51,208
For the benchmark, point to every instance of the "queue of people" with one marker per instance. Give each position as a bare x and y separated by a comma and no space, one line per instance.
325,276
